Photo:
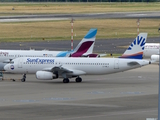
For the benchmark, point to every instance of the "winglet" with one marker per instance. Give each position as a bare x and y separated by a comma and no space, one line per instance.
135,50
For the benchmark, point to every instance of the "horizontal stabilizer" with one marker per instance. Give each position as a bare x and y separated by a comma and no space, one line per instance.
133,63
102,55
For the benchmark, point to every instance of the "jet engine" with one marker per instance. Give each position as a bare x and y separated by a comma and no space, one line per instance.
155,57
44,75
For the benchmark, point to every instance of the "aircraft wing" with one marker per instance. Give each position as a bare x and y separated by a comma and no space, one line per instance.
7,61
58,69
64,71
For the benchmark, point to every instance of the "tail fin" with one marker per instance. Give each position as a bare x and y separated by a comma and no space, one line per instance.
136,49
86,45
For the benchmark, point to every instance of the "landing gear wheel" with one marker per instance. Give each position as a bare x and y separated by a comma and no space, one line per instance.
78,79
24,78
65,80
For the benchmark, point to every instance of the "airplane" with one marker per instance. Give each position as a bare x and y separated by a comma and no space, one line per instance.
56,67
83,49
152,51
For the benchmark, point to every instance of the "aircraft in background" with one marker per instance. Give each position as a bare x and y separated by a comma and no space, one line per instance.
83,49
152,51
54,67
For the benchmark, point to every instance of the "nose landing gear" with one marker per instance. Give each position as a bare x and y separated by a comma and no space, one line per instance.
78,79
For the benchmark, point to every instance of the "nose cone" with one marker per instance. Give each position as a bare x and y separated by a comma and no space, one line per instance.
8,67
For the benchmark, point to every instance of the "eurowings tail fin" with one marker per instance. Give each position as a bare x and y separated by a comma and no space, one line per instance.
135,50
86,45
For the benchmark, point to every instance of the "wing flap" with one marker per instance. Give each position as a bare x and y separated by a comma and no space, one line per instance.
58,69
61,71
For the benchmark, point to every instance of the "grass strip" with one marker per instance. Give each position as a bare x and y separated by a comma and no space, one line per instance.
56,8
61,30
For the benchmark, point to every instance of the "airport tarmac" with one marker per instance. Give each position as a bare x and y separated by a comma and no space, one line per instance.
130,95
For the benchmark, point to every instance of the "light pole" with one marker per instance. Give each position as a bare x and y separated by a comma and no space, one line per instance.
159,84
138,23
72,33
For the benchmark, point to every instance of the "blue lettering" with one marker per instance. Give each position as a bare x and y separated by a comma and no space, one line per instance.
40,60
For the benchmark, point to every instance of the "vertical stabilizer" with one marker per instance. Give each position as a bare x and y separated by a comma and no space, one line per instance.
86,45
135,50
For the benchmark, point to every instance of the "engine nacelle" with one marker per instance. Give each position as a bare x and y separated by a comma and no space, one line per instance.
44,75
155,58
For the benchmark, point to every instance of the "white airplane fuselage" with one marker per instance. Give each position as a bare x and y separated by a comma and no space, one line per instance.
12,54
151,49
78,66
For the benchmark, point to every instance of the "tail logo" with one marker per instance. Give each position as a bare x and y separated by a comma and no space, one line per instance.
135,50
139,41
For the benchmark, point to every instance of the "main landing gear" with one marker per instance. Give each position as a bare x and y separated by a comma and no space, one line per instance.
65,80
24,78
78,79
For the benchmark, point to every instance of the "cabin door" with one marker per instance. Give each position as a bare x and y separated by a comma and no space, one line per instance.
20,63
116,64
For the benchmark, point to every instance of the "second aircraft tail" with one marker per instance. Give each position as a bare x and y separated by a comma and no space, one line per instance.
85,47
